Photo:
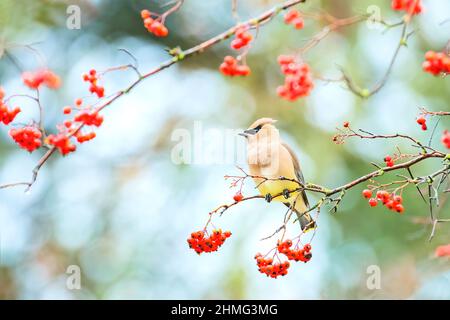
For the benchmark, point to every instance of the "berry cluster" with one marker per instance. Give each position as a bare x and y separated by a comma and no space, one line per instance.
391,201
446,139
152,25
298,81
231,67
28,137
436,63
34,79
273,270
421,121
92,78
62,142
199,243
294,17
243,38
389,161
6,115
301,254
89,118
410,6
84,137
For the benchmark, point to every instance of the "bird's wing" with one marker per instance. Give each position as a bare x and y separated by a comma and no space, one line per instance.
298,171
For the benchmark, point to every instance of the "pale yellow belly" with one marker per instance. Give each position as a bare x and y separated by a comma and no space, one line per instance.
276,187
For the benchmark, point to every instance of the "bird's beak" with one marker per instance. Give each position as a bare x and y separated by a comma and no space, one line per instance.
248,132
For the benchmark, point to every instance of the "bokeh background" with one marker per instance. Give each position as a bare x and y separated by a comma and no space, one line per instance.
121,209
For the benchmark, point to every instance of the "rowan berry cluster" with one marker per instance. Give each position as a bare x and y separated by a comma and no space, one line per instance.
422,121
436,63
300,254
6,115
389,200
92,78
410,6
389,161
153,25
89,118
298,81
294,17
28,137
231,67
242,38
85,117
62,142
200,242
273,270
34,79
446,139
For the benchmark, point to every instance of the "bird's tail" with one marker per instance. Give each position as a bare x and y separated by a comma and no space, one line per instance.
307,223
304,218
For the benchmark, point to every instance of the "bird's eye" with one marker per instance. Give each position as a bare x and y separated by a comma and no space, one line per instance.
257,128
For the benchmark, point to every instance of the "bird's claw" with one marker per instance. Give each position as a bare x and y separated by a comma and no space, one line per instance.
268,197
286,194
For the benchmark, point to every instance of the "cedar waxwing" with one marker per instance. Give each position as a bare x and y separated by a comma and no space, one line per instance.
269,157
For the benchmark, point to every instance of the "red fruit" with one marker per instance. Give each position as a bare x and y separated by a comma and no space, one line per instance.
6,115
298,79
409,6
421,120
145,14
367,193
399,208
443,251
199,243
67,110
445,139
238,197
35,79
78,102
28,137
390,204
436,63
346,124
94,87
62,142
373,202
230,67
397,199
242,39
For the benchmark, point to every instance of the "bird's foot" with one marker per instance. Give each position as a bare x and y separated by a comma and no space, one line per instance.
268,197
286,194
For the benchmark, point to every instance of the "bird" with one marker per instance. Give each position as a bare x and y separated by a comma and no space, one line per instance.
268,157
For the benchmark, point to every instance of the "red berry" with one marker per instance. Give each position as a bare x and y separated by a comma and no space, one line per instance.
436,63
409,6
421,120
367,193
67,110
46,77
238,197
445,139
373,202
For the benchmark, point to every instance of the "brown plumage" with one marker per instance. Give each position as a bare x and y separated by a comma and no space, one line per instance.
269,157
